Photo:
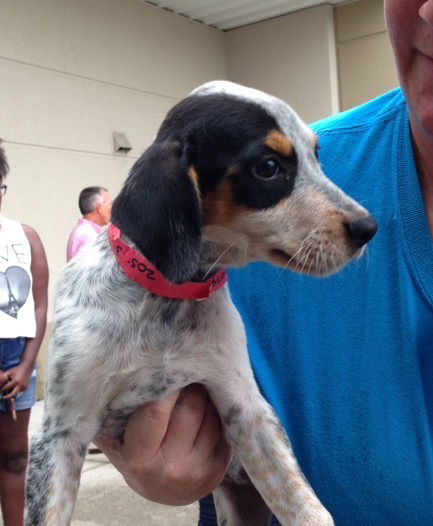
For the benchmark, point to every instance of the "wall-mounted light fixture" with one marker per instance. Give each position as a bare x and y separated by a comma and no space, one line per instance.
121,143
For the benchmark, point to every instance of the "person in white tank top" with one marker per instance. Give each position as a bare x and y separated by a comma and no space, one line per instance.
23,314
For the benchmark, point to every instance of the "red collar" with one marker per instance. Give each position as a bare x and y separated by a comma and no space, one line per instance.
141,270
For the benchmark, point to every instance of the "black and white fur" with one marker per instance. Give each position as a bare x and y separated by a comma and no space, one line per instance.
231,177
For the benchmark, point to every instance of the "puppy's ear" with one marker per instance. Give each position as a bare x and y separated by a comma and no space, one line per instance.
159,210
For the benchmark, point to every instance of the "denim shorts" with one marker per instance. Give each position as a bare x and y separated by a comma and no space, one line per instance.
11,351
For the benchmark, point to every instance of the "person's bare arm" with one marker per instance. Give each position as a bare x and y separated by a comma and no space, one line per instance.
173,451
17,378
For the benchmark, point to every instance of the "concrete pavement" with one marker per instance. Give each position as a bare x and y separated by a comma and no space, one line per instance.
105,500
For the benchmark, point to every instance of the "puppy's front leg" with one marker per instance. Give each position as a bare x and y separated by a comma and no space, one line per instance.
53,479
57,452
264,451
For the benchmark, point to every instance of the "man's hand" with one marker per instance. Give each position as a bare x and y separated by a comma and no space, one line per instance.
173,451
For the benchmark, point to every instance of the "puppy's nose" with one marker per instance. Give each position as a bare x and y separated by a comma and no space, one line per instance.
361,230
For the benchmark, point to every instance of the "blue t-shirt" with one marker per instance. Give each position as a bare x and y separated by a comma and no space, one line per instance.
347,361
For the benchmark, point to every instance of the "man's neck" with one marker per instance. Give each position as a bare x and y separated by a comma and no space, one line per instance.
94,218
424,156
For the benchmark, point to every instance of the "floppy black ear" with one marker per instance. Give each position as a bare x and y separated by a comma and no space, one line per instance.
159,210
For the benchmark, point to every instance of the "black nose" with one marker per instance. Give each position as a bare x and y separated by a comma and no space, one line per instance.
362,230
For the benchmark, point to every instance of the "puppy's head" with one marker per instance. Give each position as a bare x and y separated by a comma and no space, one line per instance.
233,177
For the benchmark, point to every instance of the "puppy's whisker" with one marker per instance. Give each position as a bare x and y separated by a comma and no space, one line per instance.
304,260
311,262
215,263
319,258
295,255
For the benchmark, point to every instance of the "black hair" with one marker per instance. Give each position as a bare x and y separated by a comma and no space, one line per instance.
4,167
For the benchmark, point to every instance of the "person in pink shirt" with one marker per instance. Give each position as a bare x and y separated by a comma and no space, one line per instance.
95,205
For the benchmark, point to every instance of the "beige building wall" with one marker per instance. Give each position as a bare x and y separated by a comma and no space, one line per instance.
366,62
321,60
293,57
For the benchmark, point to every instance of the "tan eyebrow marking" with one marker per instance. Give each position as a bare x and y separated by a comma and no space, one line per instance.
280,143
194,178
220,207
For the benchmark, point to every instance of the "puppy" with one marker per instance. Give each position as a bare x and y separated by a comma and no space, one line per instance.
232,177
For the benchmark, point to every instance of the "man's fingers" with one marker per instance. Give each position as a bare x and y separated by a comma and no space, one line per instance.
147,427
223,453
210,432
186,421
111,447
173,451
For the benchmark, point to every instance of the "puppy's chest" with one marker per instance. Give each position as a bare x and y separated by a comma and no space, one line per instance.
170,331
175,348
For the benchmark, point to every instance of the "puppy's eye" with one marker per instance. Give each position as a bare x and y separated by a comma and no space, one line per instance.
266,169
